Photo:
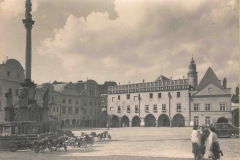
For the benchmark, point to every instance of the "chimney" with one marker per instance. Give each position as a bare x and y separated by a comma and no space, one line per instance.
224,83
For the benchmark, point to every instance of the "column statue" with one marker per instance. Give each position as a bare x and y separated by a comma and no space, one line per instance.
28,6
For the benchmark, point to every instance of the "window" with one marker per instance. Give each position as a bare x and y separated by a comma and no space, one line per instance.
128,108
155,107
113,99
69,101
207,107
118,97
178,94
8,73
196,107
69,110
136,108
84,112
207,120
18,75
90,112
135,98
52,98
76,101
178,106
146,107
53,109
128,96
16,92
119,109
159,95
57,109
90,104
64,110
196,120
76,110
163,107
63,101
95,104
84,102
222,106
150,95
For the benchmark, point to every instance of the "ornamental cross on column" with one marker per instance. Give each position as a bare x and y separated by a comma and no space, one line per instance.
28,22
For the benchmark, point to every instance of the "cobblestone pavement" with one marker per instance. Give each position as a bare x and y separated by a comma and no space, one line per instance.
131,143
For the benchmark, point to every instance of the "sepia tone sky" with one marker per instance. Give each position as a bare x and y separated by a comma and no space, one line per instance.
123,40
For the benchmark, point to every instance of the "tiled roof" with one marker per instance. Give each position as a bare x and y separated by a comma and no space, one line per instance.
161,78
59,87
209,77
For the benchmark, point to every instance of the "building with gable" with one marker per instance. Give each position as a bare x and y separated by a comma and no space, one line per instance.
210,102
11,75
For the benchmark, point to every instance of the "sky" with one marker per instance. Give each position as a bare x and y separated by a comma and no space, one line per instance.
123,41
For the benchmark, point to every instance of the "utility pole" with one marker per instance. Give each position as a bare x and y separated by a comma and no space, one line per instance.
139,99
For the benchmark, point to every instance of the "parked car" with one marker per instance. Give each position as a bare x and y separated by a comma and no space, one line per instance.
224,130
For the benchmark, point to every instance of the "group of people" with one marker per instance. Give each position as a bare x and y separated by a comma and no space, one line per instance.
202,143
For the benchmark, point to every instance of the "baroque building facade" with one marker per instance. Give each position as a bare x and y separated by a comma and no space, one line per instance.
167,102
11,75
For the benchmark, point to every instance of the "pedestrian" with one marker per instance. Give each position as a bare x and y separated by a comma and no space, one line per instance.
107,126
194,140
213,147
202,140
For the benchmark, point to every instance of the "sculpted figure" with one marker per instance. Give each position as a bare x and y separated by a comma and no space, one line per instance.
28,6
45,98
24,96
8,95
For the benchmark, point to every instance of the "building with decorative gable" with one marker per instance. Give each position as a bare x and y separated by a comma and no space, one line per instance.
210,102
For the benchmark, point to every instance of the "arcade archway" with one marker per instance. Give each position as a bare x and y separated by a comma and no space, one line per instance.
125,121
94,123
222,120
136,121
163,121
150,121
178,121
66,122
74,122
115,121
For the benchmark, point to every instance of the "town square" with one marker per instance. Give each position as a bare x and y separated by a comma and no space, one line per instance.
132,143
115,79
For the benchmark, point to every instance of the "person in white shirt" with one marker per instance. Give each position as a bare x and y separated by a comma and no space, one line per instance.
194,140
